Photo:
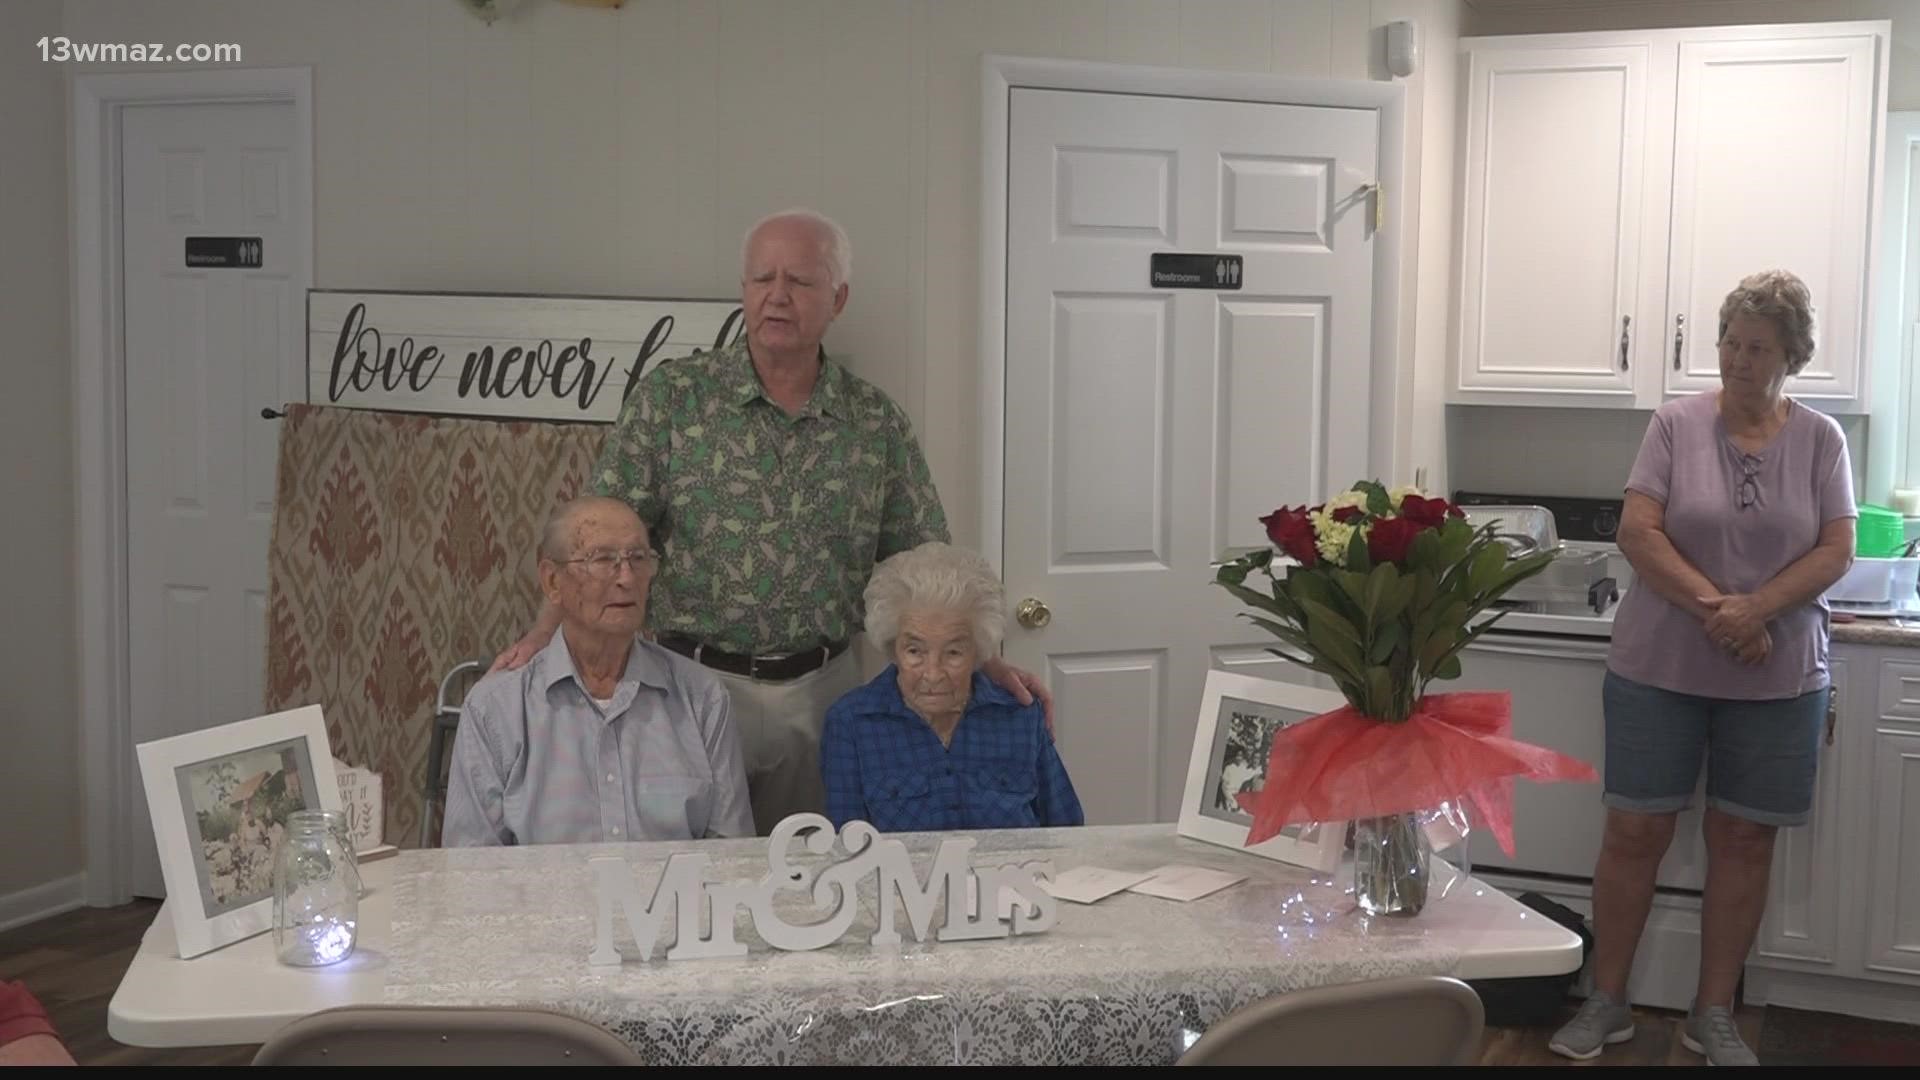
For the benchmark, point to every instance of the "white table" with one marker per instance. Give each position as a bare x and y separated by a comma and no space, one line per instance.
512,926
241,994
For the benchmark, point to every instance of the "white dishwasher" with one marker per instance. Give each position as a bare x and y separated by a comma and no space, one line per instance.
1556,682
1553,664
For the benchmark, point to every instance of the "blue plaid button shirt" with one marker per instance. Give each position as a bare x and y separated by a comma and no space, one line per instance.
884,765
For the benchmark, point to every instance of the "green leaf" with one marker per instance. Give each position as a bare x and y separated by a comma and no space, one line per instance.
1390,636
1382,583
1232,573
1486,567
1398,600
1278,630
1355,586
1424,552
1257,599
1336,650
1437,647
1455,537
1304,585
1357,558
1426,586
1288,606
1321,616
1379,503
1448,668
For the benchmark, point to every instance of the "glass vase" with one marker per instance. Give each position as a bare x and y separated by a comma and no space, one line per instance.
1391,865
316,893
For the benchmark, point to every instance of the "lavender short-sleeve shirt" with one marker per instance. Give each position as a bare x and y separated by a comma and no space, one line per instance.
1740,519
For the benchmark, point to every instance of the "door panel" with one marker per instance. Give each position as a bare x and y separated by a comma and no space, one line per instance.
1148,429
206,349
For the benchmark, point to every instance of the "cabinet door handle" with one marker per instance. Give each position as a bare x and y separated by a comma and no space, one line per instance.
1833,712
1679,339
1625,321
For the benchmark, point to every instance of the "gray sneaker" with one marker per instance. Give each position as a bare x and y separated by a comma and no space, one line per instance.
1600,1021
1712,1032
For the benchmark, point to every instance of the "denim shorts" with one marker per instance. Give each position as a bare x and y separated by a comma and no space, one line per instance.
1762,756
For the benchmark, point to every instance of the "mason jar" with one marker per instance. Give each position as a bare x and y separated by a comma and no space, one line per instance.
316,893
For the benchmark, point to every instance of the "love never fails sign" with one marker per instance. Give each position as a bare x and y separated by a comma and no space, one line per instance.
500,356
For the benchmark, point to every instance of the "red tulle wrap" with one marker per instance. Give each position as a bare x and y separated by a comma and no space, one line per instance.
1344,765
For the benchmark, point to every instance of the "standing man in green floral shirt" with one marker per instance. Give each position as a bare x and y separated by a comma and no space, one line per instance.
776,480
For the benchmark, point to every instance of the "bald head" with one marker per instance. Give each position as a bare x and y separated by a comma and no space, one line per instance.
559,541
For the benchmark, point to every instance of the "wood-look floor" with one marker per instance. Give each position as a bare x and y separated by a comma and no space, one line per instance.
73,963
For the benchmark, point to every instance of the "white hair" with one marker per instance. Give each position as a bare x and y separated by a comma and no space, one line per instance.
936,577
839,251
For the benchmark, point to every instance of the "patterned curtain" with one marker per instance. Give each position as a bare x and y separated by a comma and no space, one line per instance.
403,545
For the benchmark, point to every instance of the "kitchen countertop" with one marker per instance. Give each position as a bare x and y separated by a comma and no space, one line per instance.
1878,632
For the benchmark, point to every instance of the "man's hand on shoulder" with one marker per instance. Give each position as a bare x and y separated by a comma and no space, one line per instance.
1025,686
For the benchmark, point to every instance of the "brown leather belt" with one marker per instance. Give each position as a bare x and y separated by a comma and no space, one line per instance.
771,668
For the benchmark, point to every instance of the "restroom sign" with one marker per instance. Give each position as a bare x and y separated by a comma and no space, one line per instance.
231,252
1195,270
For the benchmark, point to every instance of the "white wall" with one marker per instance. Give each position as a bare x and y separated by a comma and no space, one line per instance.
1575,452
570,149
573,149
39,781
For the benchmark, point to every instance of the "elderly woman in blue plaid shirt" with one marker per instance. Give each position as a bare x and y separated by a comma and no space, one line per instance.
932,744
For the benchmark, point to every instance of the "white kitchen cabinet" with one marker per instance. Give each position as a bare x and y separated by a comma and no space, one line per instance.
1802,923
1617,185
1893,897
1842,928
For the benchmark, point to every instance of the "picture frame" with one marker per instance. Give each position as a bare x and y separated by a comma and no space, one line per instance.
219,800
1238,715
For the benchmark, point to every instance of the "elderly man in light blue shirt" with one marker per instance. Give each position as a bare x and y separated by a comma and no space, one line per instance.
603,736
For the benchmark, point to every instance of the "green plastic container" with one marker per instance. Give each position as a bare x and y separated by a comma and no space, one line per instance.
1880,533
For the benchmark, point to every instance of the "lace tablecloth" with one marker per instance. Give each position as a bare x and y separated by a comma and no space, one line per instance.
1130,980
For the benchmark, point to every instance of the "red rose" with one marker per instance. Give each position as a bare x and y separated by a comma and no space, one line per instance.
1390,538
1427,513
1348,514
1292,533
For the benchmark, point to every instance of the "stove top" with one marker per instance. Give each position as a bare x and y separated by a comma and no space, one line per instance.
1588,520
1583,524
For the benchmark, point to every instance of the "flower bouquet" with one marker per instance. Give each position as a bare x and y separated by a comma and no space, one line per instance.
1380,590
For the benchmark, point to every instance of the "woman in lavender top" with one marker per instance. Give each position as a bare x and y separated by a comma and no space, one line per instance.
1739,516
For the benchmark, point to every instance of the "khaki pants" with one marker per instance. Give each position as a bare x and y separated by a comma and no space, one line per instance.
779,725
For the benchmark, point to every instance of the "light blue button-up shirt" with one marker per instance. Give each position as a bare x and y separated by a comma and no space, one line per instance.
537,760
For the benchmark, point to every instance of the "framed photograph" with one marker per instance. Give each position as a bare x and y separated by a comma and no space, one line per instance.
220,800
1238,717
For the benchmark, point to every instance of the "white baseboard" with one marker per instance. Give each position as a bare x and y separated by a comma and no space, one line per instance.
1826,993
42,901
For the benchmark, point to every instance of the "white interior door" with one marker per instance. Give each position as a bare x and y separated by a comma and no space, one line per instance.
1149,428
207,347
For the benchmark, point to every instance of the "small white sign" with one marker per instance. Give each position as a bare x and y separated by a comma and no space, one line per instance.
1185,883
527,357
704,912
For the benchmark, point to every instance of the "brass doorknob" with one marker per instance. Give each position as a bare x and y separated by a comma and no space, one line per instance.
1033,613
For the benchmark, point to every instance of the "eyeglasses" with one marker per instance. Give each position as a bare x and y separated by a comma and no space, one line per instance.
1749,487
605,565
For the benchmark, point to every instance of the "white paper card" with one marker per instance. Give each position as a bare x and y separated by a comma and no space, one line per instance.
1186,882
1086,884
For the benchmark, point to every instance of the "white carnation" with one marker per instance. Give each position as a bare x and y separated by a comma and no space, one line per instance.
1330,536
1356,499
